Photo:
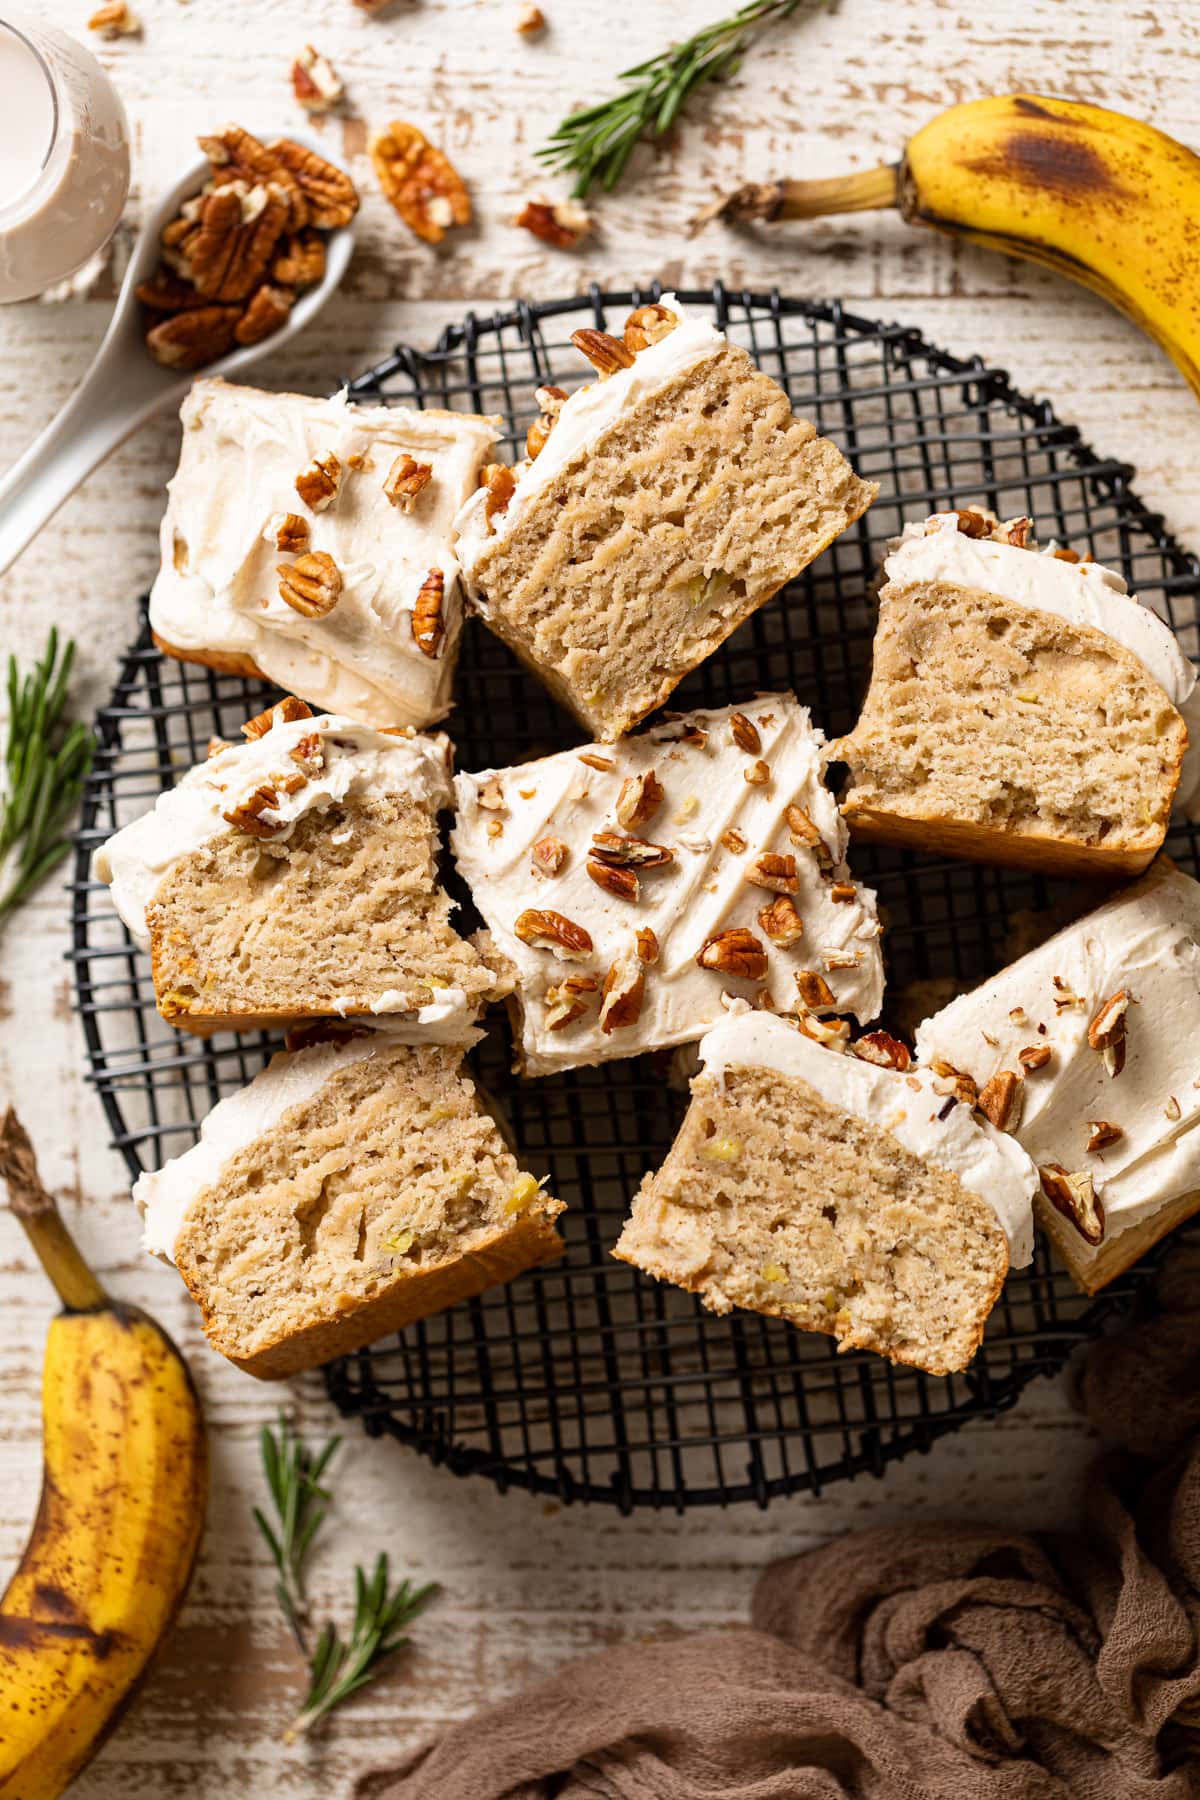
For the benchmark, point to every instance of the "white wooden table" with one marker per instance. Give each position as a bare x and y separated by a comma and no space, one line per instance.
527,1584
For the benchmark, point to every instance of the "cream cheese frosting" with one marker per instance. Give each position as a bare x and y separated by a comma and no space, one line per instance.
290,1079
944,1133
1083,593
715,823
217,589
1145,941
356,761
584,418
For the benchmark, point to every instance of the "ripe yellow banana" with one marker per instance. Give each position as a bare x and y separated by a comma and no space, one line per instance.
124,1488
1100,197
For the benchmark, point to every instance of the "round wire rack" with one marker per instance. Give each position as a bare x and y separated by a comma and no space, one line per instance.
586,1380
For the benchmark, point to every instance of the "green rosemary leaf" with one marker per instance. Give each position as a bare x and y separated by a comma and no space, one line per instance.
293,1479
45,764
381,1616
595,142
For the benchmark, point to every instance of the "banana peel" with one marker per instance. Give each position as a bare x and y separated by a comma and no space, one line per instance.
118,1526
1100,197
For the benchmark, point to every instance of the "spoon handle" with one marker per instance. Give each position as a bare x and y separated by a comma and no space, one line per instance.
117,394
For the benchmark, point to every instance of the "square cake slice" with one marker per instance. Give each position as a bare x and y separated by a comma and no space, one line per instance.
640,888
308,541
656,509
1095,1037
841,1196
1023,708
357,1184
294,876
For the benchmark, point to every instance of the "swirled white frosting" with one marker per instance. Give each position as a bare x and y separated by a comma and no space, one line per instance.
588,413
290,1079
1083,593
218,590
1145,940
703,891
356,762
946,1134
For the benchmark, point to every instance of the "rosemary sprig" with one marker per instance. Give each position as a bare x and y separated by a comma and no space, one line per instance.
294,1478
381,1617
596,143
45,766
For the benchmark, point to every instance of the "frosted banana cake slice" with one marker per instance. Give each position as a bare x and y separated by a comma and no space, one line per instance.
1087,1050
294,876
843,1196
1023,707
638,889
357,1184
309,541
656,509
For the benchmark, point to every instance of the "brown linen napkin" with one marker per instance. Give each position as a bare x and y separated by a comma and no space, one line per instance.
936,1661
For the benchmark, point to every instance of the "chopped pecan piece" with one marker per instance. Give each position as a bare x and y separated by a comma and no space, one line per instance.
639,799
1107,1029
247,814
550,399
500,483
312,585
975,524
405,479
646,325
606,354
1034,1056
329,195
115,20
1074,1196
882,1048
647,945
268,310
284,712
317,485
238,229
548,856
427,627
490,795
568,1000
309,753
834,1034
530,20
733,841
780,923
189,340
595,761
551,931
1013,531
744,734
292,534
734,952
622,852
621,882
813,989
299,260
949,1080
758,774
775,872
1102,1133
420,181
1000,1100
844,892
622,995
802,831
315,82
563,223
216,745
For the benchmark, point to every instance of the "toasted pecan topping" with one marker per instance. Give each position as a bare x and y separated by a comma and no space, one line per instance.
813,989
744,734
420,181
733,841
568,1000
1000,1100
1074,1196
803,832
405,479
882,1048
621,882
552,931
734,952
758,774
622,994
647,945
646,325
548,856
284,712
427,627
312,585
623,852
292,534
1034,1056
317,485
606,354
1102,1133
780,923
500,483
778,873
639,799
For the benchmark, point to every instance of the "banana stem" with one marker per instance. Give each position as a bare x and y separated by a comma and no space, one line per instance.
866,191
73,1281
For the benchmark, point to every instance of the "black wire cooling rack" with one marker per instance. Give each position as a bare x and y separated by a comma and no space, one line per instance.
586,1380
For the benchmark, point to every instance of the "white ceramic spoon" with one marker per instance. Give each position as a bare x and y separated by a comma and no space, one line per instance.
124,387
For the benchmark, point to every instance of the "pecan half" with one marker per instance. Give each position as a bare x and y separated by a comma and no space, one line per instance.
292,534
621,852
568,1000
647,945
563,223
317,485
427,627
606,354
548,856
329,194
500,483
312,585
813,989
1106,1032
1034,1056
1000,1100
420,181
622,994
551,931
802,831
405,479
882,1048
780,923
299,261
639,799
284,712
238,228
778,873
189,340
744,734
268,310
621,882
734,952
646,325
1074,1196
1102,1133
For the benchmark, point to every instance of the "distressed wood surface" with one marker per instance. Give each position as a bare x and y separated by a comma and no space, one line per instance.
527,1584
